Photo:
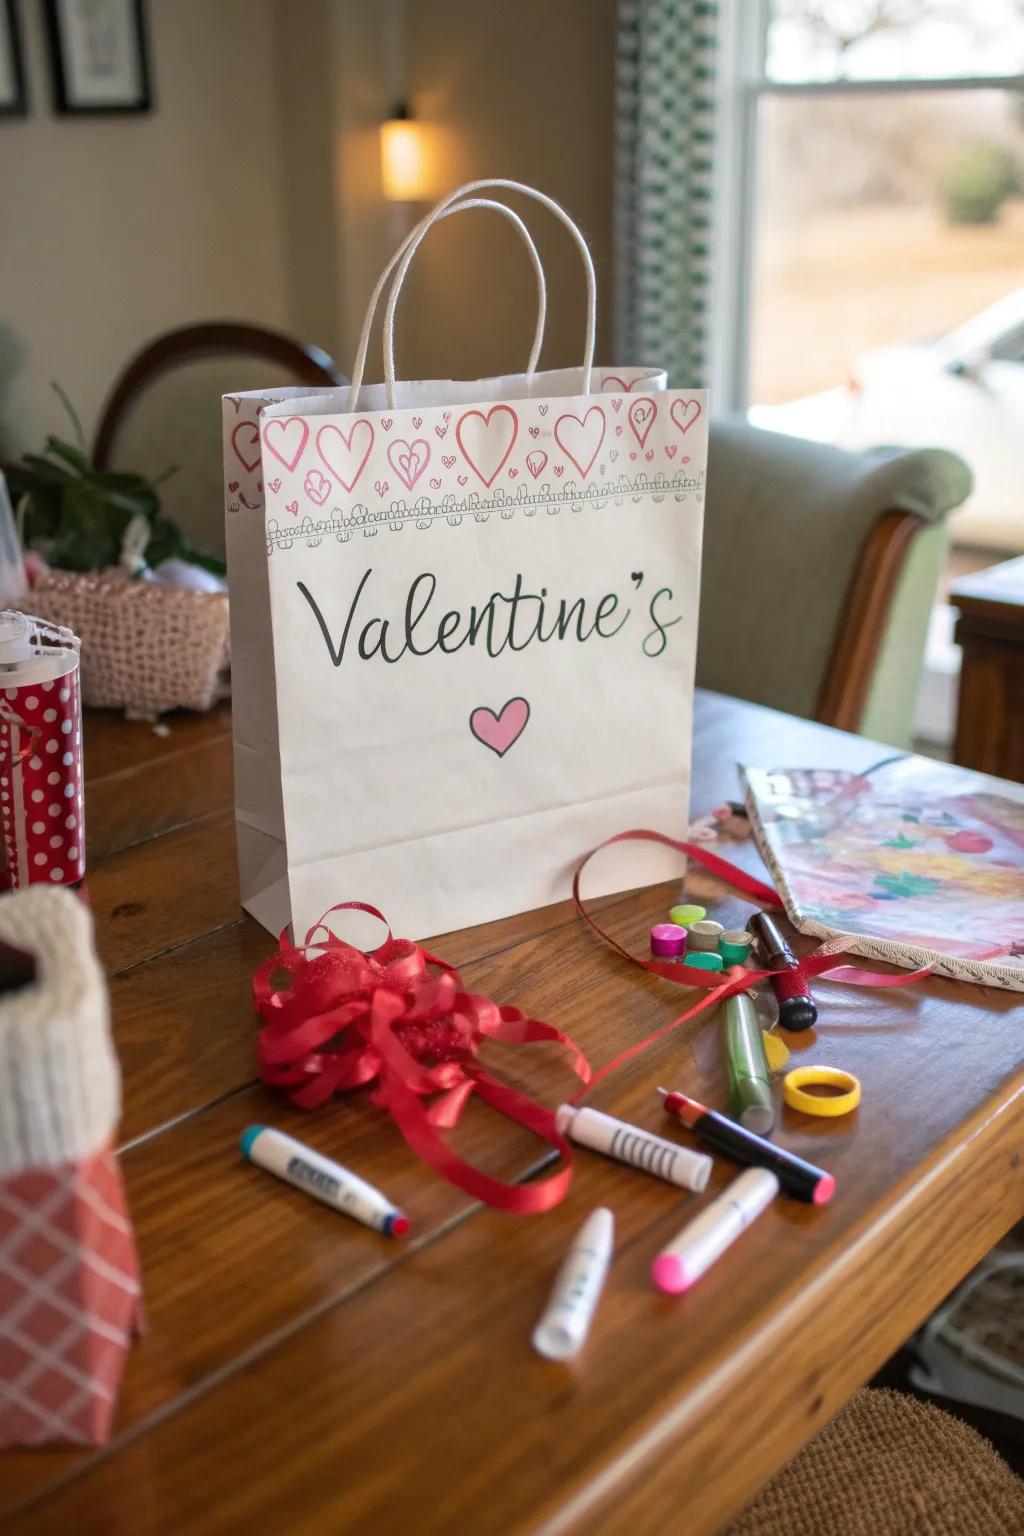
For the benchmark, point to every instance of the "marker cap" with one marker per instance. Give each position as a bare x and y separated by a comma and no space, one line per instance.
754,1104
706,1238
704,960
735,946
667,940
705,934
684,915
249,1136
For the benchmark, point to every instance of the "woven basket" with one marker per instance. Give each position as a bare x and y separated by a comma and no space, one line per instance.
888,1465
145,647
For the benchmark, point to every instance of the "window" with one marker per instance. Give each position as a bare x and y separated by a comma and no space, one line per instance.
877,225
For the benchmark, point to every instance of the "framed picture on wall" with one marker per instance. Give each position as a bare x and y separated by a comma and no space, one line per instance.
98,53
13,101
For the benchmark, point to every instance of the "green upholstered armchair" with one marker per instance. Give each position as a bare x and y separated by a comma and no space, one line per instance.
819,574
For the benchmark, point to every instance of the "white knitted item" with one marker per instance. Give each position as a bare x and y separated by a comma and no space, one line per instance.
60,1085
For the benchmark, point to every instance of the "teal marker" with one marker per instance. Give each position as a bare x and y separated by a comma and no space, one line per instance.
703,960
749,1078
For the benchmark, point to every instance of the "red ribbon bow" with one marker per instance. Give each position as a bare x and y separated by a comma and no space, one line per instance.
335,1018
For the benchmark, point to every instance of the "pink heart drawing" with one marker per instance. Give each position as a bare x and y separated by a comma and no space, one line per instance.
435,484
463,479
381,487
286,439
580,440
684,413
632,455
417,422
649,455
613,381
448,460
293,508
259,485
513,473
249,433
642,412
534,431
618,430
446,417
442,431
345,453
275,486
616,405
317,487
409,460
232,485
500,731
535,462
671,450
385,422
543,409
487,441
559,471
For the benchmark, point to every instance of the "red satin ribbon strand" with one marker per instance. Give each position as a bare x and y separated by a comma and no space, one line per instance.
669,970
829,966
398,1016
414,1123
738,979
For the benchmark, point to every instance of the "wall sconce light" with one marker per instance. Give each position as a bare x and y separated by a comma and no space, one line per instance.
401,157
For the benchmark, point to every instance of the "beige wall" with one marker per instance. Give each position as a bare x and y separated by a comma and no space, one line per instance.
523,90
253,190
116,228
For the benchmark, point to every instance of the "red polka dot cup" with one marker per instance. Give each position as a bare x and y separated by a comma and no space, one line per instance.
41,812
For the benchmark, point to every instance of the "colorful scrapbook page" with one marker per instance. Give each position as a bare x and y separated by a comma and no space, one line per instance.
913,861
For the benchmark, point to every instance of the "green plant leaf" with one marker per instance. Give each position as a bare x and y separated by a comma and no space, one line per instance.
73,456
46,471
76,515
129,493
65,401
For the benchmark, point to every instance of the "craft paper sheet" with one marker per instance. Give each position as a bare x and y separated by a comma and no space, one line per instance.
915,862
484,610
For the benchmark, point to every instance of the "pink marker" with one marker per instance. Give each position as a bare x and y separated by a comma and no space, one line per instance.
704,1239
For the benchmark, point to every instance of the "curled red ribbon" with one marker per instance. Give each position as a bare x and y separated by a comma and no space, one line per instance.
335,1018
738,978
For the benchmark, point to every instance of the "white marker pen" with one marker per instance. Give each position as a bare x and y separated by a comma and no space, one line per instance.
708,1235
320,1177
629,1144
577,1289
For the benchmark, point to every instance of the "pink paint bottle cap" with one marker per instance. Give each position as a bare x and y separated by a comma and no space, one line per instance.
668,940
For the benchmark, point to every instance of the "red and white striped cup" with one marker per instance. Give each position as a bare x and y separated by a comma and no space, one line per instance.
41,799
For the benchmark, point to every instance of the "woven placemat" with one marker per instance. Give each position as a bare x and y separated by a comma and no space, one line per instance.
888,1465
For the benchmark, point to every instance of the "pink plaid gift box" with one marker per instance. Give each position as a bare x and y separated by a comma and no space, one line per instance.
69,1286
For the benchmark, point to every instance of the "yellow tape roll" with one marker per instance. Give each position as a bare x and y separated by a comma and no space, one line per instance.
821,1104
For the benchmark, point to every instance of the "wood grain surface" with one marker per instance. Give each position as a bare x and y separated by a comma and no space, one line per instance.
990,702
302,1374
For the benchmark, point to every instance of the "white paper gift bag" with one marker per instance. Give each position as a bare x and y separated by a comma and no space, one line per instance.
478,657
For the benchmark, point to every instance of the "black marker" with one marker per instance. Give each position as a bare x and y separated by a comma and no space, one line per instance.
796,1005
797,1177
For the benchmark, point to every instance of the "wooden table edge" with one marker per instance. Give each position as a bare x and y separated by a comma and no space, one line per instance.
993,1134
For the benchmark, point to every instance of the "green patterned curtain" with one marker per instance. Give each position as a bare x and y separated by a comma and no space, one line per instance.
663,160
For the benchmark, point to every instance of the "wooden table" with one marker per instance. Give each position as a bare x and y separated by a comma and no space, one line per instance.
301,1374
990,709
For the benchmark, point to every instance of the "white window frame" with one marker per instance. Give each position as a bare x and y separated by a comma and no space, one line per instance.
741,82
